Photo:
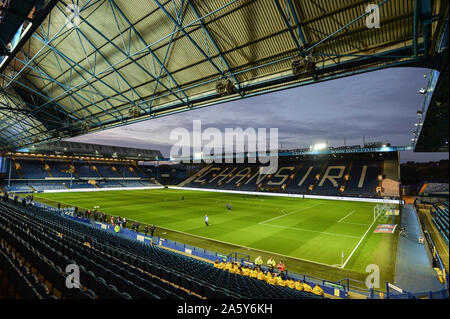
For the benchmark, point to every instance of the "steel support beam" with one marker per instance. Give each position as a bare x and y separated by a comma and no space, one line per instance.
42,15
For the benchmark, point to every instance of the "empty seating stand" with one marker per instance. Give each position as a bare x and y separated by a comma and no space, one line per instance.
39,174
41,244
440,217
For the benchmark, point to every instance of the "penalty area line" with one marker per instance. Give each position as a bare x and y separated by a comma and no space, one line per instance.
340,220
284,215
312,231
359,243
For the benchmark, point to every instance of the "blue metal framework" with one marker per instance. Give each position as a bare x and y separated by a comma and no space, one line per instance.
82,71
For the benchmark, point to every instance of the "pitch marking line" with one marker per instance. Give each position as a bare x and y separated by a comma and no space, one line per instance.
340,220
249,248
312,231
295,211
353,211
359,243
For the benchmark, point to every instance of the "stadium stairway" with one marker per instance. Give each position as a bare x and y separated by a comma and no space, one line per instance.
344,181
115,266
17,168
46,167
193,177
316,180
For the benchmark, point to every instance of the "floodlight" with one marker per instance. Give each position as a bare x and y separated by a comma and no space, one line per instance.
225,87
423,91
198,155
318,147
303,67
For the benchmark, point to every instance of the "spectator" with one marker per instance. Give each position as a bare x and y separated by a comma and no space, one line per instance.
228,266
216,264
232,269
261,275
268,276
299,285
290,283
280,281
146,230
271,264
281,268
271,279
222,265
258,262
318,291
152,230
306,287
124,222
254,273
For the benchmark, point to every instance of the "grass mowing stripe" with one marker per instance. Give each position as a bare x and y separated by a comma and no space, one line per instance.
340,220
284,215
312,231
252,248
184,223
360,224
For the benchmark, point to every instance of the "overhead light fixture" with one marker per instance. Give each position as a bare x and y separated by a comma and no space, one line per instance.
21,36
225,87
303,67
4,60
134,112
85,126
423,91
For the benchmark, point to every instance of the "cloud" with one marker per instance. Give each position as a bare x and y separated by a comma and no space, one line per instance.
381,106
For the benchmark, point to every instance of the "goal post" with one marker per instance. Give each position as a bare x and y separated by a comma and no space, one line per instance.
383,211
380,212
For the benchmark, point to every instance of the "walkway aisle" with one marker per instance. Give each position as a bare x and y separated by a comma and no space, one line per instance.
414,272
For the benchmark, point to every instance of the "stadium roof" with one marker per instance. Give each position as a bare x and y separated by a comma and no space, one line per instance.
431,134
77,69
85,149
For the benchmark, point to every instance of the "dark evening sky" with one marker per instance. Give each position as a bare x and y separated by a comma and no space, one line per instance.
381,106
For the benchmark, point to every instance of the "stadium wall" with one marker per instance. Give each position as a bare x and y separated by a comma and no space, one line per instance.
355,199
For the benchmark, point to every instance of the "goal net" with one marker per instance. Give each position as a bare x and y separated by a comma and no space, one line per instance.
381,212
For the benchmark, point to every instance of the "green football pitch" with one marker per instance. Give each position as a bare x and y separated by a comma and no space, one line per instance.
314,236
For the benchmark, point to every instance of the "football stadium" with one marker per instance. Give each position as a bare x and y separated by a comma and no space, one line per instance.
81,219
